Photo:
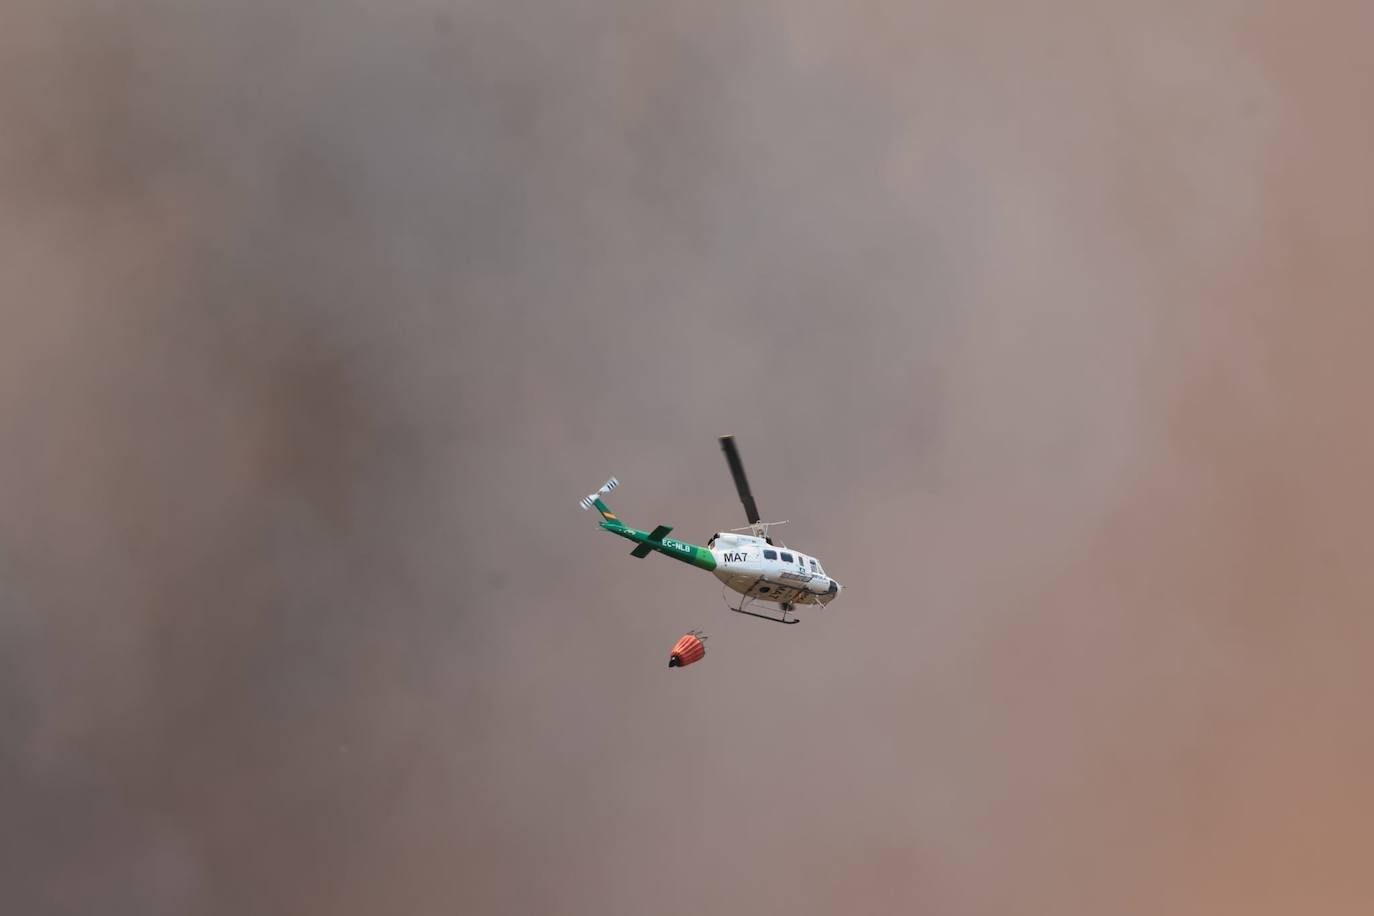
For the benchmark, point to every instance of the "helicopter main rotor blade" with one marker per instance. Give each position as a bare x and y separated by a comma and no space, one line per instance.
727,445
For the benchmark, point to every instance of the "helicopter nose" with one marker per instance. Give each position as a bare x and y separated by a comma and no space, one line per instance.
834,588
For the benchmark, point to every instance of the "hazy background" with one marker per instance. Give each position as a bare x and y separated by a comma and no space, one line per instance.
1049,329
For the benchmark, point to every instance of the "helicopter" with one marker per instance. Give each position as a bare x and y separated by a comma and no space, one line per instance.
761,578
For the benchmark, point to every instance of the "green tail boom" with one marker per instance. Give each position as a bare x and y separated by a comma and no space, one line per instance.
647,542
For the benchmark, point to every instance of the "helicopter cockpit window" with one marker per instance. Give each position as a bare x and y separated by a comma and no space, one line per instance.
770,554
814,567
787,558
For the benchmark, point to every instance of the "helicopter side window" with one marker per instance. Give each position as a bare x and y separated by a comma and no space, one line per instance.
787,558
814,568
769,554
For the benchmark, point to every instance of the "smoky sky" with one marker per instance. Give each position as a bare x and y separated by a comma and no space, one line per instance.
1046,327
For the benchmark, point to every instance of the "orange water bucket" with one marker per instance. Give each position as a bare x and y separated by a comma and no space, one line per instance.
689,648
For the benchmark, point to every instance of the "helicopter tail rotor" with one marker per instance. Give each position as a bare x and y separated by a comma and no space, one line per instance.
592,499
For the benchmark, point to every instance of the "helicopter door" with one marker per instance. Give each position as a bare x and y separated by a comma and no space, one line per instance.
789,560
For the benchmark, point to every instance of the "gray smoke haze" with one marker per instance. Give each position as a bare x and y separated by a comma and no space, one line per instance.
1047,328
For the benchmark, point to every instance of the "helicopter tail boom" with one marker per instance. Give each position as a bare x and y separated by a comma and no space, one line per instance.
653,542
647,542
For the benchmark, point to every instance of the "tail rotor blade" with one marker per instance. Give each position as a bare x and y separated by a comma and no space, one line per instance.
727,444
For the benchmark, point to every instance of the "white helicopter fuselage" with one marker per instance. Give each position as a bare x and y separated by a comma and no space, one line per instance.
753,567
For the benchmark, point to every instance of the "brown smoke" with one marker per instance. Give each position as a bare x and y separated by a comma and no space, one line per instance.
1047,328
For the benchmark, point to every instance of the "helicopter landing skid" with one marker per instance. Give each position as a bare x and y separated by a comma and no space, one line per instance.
746,601
782,619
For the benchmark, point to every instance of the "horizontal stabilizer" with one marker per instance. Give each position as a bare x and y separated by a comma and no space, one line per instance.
642,551
659,533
